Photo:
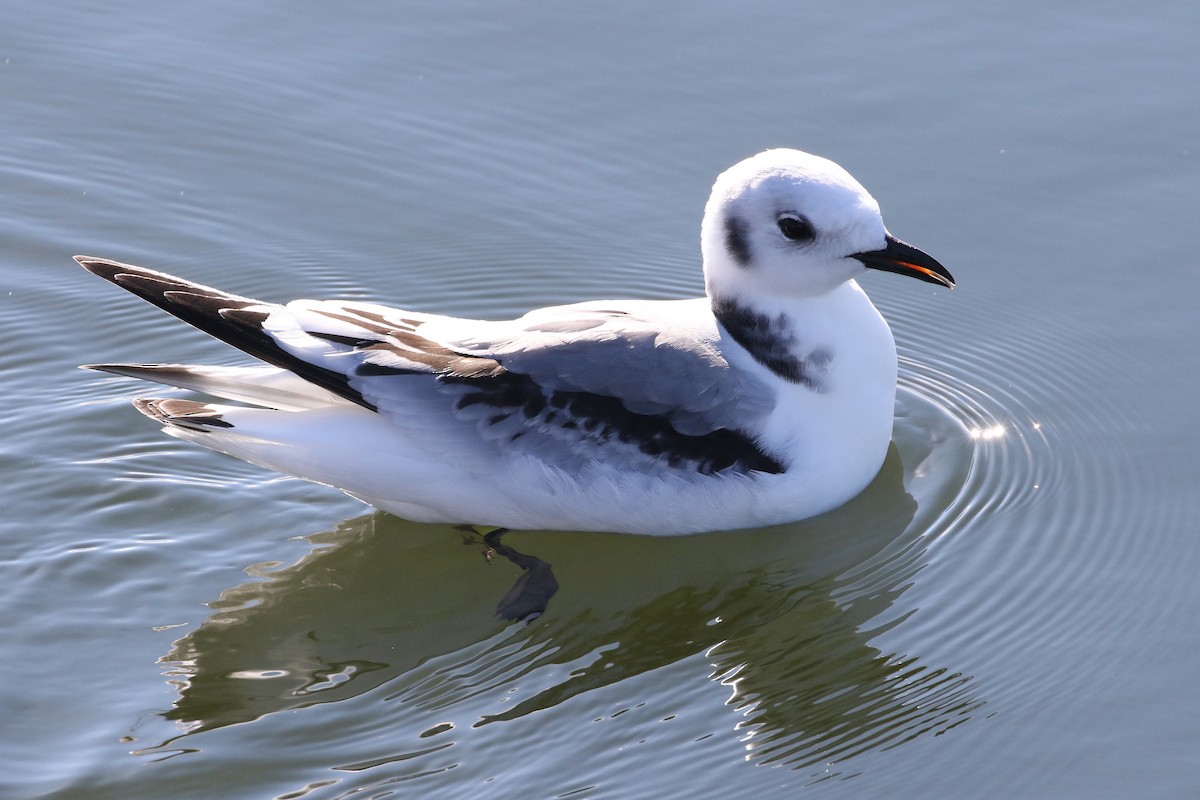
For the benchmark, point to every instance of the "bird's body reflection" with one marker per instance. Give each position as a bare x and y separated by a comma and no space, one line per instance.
784,616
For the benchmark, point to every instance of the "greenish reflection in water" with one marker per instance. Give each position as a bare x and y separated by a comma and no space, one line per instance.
785,617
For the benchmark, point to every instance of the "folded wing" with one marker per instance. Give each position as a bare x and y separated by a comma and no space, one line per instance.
572,386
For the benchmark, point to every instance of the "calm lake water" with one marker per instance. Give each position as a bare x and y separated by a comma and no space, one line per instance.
1008,611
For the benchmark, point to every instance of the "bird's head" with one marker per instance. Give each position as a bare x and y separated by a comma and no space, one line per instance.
785,223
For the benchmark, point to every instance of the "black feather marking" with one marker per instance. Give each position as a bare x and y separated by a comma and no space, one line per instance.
736,241
337,338
368,370
600,418
258,344
771,343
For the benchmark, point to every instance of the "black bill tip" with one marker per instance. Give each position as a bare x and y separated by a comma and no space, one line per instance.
904,259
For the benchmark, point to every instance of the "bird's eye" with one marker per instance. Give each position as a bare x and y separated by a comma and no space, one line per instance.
797,228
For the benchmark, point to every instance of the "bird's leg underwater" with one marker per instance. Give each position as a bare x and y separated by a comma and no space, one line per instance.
531,594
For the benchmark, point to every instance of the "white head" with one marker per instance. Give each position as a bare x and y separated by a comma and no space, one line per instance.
785,223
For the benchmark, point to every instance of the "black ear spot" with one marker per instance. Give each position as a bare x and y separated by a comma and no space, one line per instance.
735,240
796,227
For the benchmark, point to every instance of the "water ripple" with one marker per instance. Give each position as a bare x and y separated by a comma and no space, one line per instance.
1028,409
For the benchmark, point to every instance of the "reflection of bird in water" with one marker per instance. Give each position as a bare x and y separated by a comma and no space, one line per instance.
768,400
786,619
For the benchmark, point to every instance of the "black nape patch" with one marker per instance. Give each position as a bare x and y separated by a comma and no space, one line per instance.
771,344
736,241
601,419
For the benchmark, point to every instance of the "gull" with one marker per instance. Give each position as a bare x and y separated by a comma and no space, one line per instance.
768,400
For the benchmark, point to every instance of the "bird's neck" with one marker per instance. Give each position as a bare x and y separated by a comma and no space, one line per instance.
785,335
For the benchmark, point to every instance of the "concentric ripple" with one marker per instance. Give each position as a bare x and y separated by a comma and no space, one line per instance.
1035,491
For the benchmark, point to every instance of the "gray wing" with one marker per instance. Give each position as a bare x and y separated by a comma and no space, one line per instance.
567,385
639,385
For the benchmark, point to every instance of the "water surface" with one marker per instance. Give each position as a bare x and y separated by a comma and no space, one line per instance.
1007,611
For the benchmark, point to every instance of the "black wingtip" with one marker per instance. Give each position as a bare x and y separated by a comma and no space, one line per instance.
124,370
103,267
150,284
220,314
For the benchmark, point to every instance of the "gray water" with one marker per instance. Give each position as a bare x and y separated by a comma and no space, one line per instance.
1008,611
